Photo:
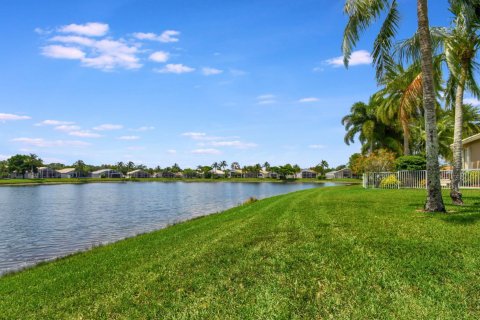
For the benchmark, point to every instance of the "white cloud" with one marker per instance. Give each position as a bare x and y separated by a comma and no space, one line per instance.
12,117
233,144
108,127
237,72
54,123
91,29
128,138
104,54
206,151
316,146
211,71
473,101
175,68
62,52
42,143
172,151
159,56
266,96
266,99
112,54
85,134
144,128
84,41
3,157
166,36
357,58
67,128
195,135
309,99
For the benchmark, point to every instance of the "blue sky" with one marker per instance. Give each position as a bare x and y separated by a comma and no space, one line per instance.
192,82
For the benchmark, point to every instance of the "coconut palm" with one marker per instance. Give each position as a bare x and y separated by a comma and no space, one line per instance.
461,48
267,166
372,133
223,164
400,99
363,13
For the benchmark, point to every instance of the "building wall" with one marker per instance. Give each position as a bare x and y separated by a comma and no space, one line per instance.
471,155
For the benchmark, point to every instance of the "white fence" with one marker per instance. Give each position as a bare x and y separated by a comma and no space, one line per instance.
469,179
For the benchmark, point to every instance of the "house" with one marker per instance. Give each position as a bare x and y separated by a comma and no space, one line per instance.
306,174
138,174
235,173
340,174
106,173
217,173
47,173
68,173
264,174
471,152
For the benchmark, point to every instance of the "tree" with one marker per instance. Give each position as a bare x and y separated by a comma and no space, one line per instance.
235,166
361,14
401,97
372,133
266,166
223,164
3,169
80,167
461,47
22,163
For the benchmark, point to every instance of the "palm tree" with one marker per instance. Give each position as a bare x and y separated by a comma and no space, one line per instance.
461,47
361,14
223,164
235,166
372,133
266,165
324,165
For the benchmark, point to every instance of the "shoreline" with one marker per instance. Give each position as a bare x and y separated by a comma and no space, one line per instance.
59,181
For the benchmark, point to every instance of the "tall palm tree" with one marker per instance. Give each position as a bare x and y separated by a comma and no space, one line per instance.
267,166
223,164
461,48
361,14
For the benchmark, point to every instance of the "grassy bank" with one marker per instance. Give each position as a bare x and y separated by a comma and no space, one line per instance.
341,253
13,182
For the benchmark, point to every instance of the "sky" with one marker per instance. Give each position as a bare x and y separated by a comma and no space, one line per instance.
187,82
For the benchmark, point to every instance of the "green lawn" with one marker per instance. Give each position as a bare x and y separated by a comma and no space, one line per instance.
340,253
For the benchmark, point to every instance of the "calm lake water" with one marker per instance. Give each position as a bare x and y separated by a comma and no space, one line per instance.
39,223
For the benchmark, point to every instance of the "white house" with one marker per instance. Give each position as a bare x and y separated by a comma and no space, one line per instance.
138,174
340,174
68,173
217,173
306,174
264,174
106,173
235,173
471,152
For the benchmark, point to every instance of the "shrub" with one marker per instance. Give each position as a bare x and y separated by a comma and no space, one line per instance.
389,182
250,200
410,163
379,161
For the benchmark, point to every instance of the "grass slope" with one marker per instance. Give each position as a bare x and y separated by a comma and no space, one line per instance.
341,252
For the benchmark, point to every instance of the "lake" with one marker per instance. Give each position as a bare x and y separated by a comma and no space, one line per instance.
39,223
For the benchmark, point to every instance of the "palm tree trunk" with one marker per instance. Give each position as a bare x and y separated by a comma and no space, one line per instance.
434,202
406,138
455,194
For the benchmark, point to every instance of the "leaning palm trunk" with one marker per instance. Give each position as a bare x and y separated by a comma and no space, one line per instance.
457,141
434,192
